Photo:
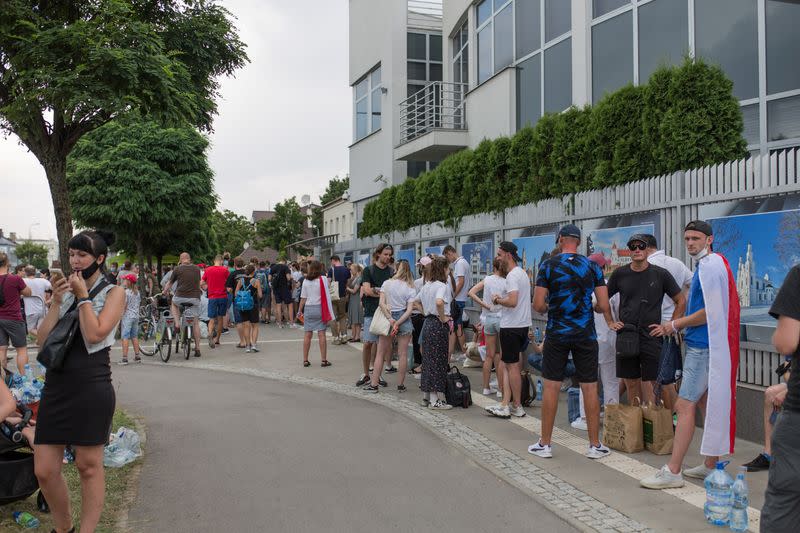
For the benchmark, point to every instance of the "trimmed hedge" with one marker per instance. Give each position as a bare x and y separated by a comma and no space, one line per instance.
684,117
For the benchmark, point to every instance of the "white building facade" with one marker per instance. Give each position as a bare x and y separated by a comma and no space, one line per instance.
501,64
338,219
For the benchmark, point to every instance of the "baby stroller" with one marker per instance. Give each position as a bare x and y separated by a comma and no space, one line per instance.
17,477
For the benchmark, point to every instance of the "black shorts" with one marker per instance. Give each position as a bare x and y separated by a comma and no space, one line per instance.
282,295
249,316
584,357
512,341
645,366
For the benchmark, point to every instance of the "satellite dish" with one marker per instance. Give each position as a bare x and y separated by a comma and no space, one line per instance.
305,200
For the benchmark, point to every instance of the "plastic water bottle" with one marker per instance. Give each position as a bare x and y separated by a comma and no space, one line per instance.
539,389
537,335
741,499
719,495
25,519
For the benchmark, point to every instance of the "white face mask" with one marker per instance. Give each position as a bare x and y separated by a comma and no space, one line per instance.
701,254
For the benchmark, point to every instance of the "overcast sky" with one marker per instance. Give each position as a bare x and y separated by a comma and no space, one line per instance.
284,121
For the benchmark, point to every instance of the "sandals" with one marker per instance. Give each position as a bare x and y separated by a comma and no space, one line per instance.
415,371
306,363
241,346
326,363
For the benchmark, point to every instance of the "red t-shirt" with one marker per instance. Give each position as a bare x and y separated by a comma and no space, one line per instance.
12,287
215,277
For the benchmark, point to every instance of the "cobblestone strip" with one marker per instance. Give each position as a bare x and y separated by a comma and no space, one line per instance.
567,501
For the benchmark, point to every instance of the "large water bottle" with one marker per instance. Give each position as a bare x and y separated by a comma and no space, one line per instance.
719,495
741,499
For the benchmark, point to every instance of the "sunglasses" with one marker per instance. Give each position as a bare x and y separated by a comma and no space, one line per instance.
639,246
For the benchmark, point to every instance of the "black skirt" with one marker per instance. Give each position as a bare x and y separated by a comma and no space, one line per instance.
78,402
435,358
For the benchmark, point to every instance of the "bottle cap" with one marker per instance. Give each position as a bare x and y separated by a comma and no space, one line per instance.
722,464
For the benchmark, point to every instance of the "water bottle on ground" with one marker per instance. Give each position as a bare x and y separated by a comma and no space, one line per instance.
741,499
25,519
537,335
539,389
719,495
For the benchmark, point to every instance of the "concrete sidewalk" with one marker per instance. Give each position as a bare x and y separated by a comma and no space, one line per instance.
569,481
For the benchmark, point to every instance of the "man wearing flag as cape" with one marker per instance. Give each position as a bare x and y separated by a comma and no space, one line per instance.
711,335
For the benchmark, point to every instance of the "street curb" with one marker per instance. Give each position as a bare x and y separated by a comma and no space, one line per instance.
132,488
554,494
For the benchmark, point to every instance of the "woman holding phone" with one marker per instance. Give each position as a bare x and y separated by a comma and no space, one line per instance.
78,402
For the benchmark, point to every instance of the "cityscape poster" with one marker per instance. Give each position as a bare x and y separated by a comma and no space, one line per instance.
534,251
409,255
479,255
435,250
613,244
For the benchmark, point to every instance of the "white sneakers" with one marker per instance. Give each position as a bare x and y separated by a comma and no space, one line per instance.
489,392
517,411
597,452
501,411
542,450
580,423
697,472
663,479
439,405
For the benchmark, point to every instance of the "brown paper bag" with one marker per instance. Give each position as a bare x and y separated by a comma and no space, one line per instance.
622,427
658,433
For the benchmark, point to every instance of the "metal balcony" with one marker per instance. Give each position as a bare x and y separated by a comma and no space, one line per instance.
437,106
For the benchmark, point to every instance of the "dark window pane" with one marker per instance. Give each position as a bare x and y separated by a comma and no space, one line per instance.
663,35
416,71
612,55
484,11
558,77
485,54
601,7
457,70
503,38
436,72
557,18
783,43
436,47
376,110
750,118
783,119
416,46
529,92
465,66
727,34
413,89
415,168
528,24
361,119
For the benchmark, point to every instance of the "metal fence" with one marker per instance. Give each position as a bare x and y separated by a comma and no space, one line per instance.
672,199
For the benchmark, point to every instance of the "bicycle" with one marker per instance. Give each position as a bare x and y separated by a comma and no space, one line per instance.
186,335
163,336
149,317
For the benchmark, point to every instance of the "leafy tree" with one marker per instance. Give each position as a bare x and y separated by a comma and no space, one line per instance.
30,253
69,67
232,231
284,228
335,189
146,183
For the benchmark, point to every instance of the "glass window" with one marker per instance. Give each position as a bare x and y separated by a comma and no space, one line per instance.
601,7
417,47
485,54
783,119
361,88
663,35
460,56
557,18
413,88
558,77
750,118
375,77
416,71
362,126
783,42
498,4
416,168
436,72
376,109
529,92
368,104
484,11
612,55
503,38
727,34
436,47
527,22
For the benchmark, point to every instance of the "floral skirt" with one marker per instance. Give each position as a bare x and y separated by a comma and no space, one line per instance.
433,341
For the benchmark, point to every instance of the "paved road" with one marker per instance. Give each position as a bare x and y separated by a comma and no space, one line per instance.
235,453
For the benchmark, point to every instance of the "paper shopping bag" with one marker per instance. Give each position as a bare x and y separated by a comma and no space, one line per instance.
658,433
622,427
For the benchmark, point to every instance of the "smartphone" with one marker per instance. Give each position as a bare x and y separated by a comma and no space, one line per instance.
55,275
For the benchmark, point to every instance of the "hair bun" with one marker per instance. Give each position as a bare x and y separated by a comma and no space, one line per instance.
107,236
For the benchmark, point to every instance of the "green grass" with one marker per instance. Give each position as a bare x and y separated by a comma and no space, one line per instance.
117,480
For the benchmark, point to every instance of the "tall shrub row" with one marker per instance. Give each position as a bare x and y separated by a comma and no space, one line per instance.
684,117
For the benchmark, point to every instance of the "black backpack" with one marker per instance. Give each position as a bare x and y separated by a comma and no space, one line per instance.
526,397
457,391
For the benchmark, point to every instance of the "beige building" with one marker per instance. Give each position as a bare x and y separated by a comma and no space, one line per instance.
337,217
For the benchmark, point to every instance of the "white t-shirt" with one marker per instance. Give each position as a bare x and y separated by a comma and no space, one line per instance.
398,294
417,286
310,291
681,274
34,304
518,316
428,295
461,269
492,285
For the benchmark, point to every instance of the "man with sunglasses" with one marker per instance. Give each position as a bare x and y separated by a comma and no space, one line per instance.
641,287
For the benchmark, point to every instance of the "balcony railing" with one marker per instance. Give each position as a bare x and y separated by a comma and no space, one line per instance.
438,105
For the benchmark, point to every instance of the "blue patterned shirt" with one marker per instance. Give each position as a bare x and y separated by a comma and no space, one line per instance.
570,280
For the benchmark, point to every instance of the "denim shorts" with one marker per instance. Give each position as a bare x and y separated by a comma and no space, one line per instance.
130,328
695,374
217,307
459,318
406,328
366,336
491,326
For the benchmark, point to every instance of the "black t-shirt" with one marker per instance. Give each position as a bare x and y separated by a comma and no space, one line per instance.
341,274
375,276
233,278
787,303
278,273
641,293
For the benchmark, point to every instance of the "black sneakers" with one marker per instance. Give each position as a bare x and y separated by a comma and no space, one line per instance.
759,463
363,381
382,382
390,370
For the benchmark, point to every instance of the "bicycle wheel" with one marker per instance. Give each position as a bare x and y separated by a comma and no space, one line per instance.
147,336
187,341
165,346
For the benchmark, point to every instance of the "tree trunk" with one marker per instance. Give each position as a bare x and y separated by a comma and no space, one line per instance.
55,168
140,261
159,258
